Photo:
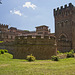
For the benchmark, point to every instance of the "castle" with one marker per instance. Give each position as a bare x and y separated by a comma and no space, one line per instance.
41,43
64,30
65,27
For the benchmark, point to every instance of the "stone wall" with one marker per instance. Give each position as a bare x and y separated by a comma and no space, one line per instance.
39,51
41,48
10,46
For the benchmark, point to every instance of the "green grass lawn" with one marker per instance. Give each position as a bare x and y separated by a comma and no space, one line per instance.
10,66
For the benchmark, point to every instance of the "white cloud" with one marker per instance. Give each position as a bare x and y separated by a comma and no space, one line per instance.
28,5
10,11
17,12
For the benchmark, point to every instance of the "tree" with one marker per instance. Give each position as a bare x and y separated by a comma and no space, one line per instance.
0,2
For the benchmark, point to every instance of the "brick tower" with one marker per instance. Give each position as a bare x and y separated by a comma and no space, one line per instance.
65,27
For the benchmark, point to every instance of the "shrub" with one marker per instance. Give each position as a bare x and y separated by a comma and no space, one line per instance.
70,54
55,58
30,58
2,51
1,41
72,51
6,51
58,52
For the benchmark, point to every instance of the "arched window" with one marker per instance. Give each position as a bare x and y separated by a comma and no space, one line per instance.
66,22
63,38
58,24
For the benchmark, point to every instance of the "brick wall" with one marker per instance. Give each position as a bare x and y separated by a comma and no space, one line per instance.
41,48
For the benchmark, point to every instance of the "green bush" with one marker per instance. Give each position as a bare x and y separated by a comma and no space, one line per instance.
55,58
6,51
70,54
58,51
2,51
1,41
30,58
72,51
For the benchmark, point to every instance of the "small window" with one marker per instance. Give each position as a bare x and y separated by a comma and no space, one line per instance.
46,33
62,13
0,31
58,23
11,37
7,36
62,24
66,13
40,32
0,37
66,22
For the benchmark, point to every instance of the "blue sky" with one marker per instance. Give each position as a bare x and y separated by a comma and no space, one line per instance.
27,14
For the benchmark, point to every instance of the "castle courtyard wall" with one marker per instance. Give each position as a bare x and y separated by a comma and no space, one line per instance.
39,51
41,48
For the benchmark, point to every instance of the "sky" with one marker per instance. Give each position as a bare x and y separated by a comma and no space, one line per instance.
28,14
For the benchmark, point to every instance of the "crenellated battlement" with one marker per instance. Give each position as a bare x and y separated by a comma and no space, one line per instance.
35,37
66,9
35,40
3,26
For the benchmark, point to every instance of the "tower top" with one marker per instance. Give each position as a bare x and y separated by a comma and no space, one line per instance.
59,10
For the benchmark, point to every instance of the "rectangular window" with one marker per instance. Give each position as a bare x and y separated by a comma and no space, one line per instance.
40,32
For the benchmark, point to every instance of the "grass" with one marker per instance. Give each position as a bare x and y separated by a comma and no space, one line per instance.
10,66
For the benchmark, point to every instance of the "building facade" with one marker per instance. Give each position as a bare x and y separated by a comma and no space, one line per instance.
65,27
42,30
5,34
9,34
